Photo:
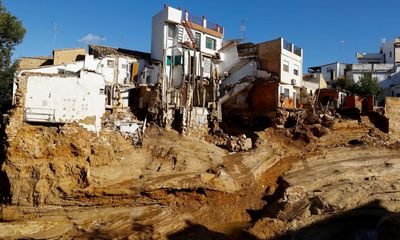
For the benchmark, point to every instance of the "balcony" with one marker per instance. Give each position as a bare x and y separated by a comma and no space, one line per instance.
297,51
292,48
287,45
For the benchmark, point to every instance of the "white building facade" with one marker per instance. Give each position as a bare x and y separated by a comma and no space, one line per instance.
331,72
380,65
187,46
77,92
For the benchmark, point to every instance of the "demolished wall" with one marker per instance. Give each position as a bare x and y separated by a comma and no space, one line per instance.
392,112
60,98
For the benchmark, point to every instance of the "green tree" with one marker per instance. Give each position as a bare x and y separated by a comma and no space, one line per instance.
343,83
11,34
366,86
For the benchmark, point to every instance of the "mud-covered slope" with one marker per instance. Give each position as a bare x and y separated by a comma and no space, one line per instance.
342,188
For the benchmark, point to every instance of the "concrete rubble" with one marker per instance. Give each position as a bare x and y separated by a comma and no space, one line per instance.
124,122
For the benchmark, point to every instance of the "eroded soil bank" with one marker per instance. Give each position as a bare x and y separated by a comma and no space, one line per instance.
65,183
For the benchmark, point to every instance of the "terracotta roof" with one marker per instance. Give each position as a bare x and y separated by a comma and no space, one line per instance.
101,51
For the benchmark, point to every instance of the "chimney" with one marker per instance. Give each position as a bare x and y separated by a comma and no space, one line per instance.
186,15
204,22
165,6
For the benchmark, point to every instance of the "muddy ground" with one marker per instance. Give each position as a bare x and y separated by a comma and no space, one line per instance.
65,183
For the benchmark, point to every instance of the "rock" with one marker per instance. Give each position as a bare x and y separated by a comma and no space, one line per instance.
247,144
232,145
318,130
294,194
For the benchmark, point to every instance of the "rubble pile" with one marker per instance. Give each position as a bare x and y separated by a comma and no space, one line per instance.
240,143
124,122
374,138
231,143
305,124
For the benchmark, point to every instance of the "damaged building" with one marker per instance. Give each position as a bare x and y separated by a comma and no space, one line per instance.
260,78
192,77
187,46
74,90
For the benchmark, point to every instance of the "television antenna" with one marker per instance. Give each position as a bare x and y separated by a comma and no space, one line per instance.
243,30
55,30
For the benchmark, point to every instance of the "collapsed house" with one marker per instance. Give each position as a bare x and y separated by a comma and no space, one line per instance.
260,78
77,91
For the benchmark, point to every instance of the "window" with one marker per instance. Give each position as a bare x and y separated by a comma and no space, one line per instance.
124,66
197,38
110,63
177,60
286,90
296,70
101,91
285,66
210,43
390,54
171,31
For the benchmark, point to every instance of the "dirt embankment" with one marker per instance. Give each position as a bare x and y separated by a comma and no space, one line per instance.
66,182
344,187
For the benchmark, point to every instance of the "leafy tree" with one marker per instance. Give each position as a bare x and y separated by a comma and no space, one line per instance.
343,83
11,34
366,86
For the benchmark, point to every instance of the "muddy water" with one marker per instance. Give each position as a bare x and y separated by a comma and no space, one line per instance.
234,230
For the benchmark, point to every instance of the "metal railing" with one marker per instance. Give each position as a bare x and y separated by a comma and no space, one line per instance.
368,67
195,19
297,51
287,45
199,21
215,27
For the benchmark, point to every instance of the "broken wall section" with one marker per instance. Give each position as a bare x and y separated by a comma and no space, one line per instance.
392,112
198,121
56,98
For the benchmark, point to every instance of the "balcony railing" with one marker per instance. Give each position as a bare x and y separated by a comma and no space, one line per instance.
199,21
366,67
297,51
287,45
292,48
195,19
215,27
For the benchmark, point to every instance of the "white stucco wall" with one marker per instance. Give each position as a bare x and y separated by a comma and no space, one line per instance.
310,86
337,68
250,69
229,58
67,99
388,51
380,76
293,59
162,43
157,35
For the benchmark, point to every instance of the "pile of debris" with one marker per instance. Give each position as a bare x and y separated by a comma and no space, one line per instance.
124,122
231,143
305,124
239,143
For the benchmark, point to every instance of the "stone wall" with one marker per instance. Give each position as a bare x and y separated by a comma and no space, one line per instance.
392,112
